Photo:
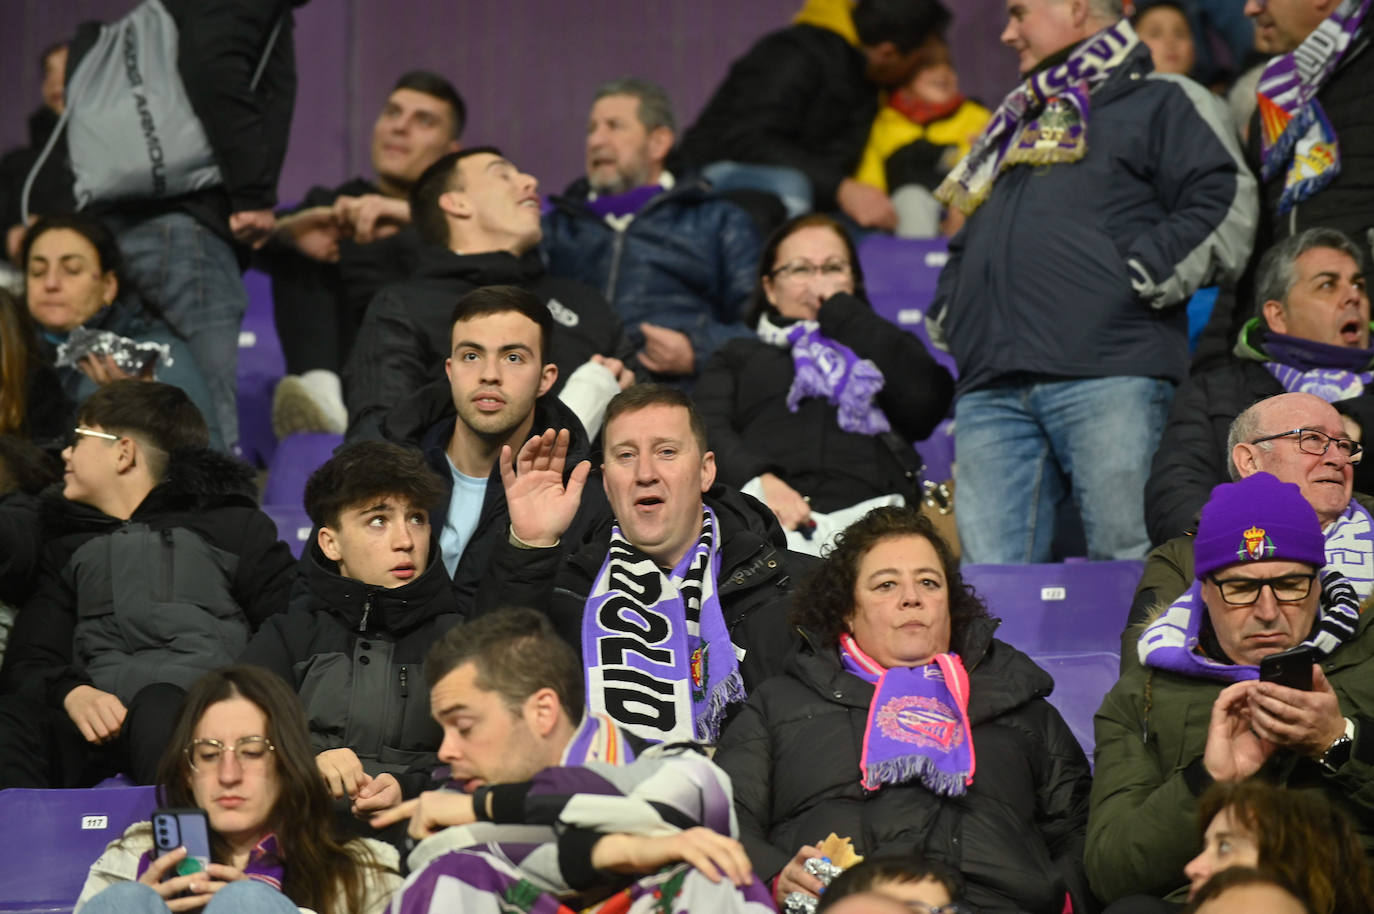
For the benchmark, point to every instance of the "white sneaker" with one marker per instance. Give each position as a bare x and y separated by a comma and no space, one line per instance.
311,402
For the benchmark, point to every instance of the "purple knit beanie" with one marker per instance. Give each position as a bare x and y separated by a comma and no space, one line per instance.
1258,519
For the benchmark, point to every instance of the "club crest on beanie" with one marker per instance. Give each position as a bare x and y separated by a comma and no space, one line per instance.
1258,519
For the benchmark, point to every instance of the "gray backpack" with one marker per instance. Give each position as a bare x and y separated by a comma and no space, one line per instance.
131,131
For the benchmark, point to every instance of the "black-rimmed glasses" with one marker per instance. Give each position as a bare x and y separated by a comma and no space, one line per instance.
1311,441
1287,588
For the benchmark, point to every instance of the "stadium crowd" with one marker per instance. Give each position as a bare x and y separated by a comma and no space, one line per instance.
624,590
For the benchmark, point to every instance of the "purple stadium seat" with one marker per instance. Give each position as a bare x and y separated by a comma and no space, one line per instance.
261,365
51,837
900,276
293,526
1074,607
295,459
1081,679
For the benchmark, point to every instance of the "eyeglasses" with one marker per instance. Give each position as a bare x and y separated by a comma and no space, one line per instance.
804,269
1311,441
251,752
1288,588
82,432
922,908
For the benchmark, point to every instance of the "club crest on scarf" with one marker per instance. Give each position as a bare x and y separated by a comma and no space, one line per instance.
1255,545
923,721
647,641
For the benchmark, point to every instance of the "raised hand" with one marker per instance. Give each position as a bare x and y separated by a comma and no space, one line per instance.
541,506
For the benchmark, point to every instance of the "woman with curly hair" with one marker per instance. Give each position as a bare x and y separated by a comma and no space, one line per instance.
906,727
241,752
1297,835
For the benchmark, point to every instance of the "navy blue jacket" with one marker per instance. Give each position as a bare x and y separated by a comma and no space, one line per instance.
1072,270
687,261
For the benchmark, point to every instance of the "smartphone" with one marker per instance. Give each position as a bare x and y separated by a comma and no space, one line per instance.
187,827
1291,668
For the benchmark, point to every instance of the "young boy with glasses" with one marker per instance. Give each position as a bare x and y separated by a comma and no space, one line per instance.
156,567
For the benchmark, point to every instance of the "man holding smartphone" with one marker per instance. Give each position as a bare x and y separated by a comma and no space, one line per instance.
1196,709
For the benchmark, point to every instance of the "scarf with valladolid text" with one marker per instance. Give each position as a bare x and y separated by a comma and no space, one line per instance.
917,722
1295,135
1172,641
1322,369
658,655
825,368
1042,121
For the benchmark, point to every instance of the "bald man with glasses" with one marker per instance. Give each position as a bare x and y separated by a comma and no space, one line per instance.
1299,438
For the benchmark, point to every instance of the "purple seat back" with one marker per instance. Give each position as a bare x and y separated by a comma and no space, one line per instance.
900,276
51,837
295,459
261,366
1081,680
1078,606
293,526
937,452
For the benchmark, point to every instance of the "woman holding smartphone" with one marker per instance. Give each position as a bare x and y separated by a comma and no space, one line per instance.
241,753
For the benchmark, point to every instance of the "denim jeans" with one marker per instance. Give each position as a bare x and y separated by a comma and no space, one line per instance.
787,184
1020,448
192,276
245,896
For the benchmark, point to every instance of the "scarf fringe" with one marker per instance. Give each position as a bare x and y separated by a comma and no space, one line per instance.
723,694
911,767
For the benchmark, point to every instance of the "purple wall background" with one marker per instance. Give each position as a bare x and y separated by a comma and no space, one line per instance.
526,68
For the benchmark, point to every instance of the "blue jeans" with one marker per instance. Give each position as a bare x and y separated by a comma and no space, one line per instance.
787,184
1021,448
192,276
243,897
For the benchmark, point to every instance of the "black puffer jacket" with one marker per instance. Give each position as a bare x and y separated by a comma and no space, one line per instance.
170,594
798,98
406,334
1347,203
355,654
793,754
426,421
756,575
742,396
686,261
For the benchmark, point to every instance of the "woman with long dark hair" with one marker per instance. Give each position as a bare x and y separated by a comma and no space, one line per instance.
32,402
241,752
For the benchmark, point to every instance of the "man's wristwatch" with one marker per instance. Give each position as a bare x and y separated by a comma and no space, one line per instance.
1338,753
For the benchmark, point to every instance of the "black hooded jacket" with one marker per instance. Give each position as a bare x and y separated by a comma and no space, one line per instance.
168,595
1016,836
355,654
406,335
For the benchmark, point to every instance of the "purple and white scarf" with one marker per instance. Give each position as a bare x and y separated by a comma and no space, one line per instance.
487,882
917,722
1295,134
825,368
1325,370
658,655
1172,641
598,739
1042,121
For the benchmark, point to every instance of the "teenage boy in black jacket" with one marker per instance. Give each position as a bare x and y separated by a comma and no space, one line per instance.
373,597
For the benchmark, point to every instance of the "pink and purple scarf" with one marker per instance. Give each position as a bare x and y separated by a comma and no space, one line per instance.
658,655
917,723
1295,135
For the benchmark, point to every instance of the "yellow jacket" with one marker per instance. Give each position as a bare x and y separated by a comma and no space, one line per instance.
892,130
